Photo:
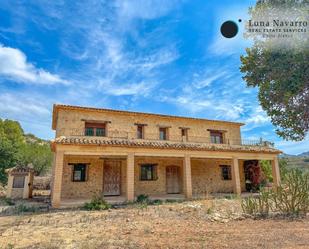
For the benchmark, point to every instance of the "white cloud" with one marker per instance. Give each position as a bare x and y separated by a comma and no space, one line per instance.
293,148
144,9
256,118
209,77
141,88
23,105
14,65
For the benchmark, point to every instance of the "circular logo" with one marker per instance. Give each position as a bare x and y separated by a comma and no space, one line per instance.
229,29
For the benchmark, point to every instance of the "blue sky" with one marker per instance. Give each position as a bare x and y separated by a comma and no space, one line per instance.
160,56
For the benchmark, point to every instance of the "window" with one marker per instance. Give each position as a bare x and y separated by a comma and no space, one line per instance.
148,172
140,131
79,172
95,129
226,172
216,137
163,133
184,134
18,181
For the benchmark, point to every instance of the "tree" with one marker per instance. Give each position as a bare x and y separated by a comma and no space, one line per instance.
267,169
282,75
38,154
16,148
11,141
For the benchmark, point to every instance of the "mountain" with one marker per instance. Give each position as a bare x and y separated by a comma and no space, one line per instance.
30,138
300,161
304,154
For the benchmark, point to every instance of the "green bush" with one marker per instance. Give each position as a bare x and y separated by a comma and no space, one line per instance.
291,198
97,203
267,170
22,208
157,202
9,201
143,199
259,205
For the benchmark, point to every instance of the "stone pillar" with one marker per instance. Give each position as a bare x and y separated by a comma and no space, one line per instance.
9,186
187,181
275,172
130,177
235,176
57,179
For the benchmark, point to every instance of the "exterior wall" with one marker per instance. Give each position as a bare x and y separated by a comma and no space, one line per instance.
93,186
206,176
70,122
20,193
157,187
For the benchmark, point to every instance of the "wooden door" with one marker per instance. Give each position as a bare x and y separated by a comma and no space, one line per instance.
172,180
111,177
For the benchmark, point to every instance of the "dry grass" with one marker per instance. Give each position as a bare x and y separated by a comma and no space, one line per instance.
196,224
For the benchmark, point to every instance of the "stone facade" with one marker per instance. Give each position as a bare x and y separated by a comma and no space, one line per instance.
93,186
198,165
205,173
156,187
121,124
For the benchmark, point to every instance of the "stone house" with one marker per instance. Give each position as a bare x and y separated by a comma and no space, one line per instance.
120,155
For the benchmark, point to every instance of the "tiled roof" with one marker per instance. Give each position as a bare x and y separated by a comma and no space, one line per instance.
71,107
104,141
20,169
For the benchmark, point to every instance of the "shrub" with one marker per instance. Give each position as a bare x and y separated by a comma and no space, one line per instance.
157,202
97,203
22,208
9,201
259,205
291,198
143,199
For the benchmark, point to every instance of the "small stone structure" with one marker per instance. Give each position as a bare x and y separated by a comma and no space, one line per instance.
20,182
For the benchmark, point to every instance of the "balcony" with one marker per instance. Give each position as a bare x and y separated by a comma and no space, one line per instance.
123,135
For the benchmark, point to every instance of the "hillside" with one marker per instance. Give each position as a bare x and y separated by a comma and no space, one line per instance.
300,161
18,148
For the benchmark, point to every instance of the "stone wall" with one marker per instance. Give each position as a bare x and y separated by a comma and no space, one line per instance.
91,187
72,122
156,187
206,176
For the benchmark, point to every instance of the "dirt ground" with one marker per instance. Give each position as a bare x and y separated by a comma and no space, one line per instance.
196,224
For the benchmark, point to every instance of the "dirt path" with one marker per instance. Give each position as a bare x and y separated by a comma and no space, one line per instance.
165,226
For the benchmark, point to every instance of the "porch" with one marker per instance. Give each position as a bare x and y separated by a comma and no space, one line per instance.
160,177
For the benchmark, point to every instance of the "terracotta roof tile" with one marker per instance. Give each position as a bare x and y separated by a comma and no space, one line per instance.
105,141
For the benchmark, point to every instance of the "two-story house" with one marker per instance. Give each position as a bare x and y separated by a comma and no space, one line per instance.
121,154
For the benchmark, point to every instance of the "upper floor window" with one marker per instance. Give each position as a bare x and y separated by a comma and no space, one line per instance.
163,133
140,131
216,137
95,129
184,134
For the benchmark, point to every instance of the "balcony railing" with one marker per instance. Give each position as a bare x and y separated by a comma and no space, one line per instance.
170,137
